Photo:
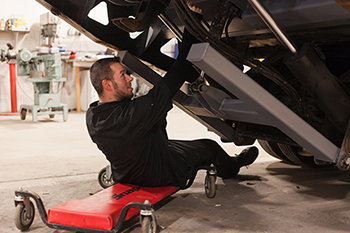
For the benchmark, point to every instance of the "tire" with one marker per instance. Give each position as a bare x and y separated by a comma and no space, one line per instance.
293,154
23,114
273,149
210,186
148,224
103,180
21,219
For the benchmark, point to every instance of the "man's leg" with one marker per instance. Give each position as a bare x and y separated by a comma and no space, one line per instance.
204,152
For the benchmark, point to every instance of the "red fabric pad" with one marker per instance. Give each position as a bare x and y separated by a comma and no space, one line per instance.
101,210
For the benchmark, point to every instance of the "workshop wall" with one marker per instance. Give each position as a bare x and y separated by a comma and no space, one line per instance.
68,37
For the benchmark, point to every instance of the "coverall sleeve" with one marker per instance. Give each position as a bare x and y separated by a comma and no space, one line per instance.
155,105
149,109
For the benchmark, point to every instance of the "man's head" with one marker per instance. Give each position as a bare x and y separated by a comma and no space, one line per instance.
110,80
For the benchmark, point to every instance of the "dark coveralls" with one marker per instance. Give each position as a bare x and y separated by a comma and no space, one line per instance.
132,135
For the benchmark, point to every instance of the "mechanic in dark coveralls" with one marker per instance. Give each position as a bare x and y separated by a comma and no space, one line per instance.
132,135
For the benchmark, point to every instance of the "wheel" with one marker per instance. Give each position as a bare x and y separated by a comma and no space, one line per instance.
51,115
209,185
301,157
23,114
273,149
22,219
103,180
148,224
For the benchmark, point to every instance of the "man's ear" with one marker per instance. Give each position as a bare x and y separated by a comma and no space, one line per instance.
107,85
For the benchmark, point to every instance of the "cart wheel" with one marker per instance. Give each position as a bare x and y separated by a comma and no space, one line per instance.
51,115
148,224
23,114
210,187
22,219
103,180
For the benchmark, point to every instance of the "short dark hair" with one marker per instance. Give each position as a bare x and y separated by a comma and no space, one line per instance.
101,70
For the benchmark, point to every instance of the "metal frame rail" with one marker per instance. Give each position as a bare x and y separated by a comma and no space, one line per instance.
256,97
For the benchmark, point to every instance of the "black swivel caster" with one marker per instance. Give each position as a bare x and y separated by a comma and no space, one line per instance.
25,212
105,178
209,183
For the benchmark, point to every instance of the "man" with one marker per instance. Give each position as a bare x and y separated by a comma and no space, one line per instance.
132,135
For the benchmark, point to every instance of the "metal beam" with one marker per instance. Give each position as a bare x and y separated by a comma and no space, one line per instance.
245,88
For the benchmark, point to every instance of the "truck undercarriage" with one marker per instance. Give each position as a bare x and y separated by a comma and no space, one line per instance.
295,97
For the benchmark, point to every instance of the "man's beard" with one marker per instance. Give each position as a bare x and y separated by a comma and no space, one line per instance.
120,94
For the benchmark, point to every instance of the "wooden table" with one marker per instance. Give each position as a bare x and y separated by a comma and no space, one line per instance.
79,64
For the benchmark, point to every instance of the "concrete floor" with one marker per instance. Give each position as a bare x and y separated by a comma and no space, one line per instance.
58,161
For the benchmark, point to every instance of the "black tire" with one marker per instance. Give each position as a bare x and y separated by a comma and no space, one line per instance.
273,149
103,179
210,186
293,154
148,224
23,114
21,218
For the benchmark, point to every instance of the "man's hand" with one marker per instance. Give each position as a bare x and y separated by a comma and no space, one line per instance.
193,7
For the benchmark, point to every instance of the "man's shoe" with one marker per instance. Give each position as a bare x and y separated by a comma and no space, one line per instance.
247,156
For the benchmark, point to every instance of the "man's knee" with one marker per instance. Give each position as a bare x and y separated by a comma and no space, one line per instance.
210,143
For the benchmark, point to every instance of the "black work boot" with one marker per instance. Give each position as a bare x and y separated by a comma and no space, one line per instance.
247,156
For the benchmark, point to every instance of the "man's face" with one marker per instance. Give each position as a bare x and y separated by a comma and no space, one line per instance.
121,82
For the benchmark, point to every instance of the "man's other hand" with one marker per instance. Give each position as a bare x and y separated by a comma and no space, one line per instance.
193,7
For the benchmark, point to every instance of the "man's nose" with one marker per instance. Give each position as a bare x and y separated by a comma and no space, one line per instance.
130,78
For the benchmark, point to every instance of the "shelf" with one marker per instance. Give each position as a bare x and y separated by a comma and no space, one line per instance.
14,31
